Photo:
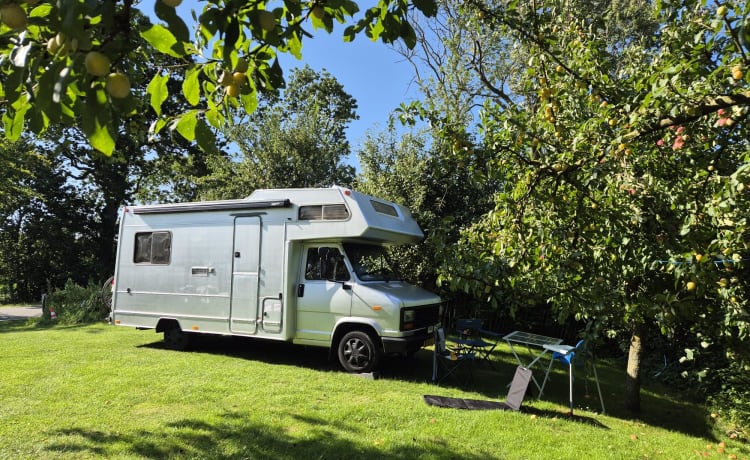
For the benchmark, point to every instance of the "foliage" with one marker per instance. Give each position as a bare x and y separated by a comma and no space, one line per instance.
617,134
45,233
75,304
296,138
414,170
48,75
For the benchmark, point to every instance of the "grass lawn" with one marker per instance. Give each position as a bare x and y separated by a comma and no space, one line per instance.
104,391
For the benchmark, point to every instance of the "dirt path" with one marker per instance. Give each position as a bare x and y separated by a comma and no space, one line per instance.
19,312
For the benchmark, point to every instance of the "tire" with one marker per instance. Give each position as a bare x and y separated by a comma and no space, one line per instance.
175,338
358,353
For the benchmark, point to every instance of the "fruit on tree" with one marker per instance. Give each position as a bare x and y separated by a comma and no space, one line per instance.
97,64
172,3
737,73
239,78
722,11
13,16
691,285
233,90
266,20
118,85
226,79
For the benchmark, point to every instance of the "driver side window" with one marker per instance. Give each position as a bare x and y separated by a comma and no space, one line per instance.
324,263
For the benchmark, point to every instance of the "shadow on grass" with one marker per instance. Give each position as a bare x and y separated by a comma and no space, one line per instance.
237,435
660,407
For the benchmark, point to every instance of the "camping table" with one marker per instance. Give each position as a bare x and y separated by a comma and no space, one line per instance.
530,340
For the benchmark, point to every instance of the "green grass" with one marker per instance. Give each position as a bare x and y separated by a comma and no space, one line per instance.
104,391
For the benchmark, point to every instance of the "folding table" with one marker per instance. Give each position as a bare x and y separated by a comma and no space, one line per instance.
530,340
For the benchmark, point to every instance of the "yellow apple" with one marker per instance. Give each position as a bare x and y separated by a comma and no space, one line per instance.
722,11
239,78
233,90
97,64
226,79
737,73
691,285
13,16
118,85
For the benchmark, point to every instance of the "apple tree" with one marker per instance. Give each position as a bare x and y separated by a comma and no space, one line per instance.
619,139
66,61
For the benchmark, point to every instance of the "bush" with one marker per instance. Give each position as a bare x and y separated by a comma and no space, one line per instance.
732,401
75,304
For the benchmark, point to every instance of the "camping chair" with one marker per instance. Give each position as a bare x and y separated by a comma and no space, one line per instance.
566,354
471,336
448,359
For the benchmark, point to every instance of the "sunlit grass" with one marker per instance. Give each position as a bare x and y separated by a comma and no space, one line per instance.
102,391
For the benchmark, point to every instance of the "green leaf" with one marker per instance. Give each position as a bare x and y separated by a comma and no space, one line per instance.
186,124
157,89
96,121
162,39
176,24
191,85
205,137
427,7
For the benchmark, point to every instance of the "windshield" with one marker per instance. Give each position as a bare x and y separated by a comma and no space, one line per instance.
369,262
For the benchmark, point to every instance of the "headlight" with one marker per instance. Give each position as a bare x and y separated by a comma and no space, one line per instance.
409,315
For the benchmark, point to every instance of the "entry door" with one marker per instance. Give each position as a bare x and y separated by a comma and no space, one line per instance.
323,293
245,273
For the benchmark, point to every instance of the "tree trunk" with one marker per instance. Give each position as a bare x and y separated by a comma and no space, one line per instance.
633,379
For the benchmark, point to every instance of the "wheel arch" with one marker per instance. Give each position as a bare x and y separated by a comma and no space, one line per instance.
344,328
163,323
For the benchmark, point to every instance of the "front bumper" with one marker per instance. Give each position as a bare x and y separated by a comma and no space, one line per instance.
408,344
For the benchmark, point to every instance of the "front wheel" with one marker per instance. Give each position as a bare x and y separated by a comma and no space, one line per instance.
358,353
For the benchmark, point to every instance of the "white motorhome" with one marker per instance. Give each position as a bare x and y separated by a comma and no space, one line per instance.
300,265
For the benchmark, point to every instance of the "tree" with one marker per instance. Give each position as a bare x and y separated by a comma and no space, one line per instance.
416,170
622,158
67,62
45,235
296,138
67,228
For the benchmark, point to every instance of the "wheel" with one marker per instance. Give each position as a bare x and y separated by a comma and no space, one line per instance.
358,353
174,338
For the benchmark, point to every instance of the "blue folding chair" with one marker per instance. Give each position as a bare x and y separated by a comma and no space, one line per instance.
566,354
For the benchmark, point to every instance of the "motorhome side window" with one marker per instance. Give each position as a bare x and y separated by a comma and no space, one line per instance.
324,212
152,248
325,263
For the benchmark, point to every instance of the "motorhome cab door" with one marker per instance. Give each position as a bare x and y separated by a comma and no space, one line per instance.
245,273
323,292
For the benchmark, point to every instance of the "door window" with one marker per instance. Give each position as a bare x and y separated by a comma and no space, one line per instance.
324,263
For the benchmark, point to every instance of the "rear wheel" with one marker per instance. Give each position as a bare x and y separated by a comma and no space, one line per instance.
175,338
358,353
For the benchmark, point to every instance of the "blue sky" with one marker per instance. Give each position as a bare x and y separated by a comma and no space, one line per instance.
374,74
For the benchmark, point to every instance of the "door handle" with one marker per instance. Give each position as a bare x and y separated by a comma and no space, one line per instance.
300,290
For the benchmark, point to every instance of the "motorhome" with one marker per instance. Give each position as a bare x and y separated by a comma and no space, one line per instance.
302,265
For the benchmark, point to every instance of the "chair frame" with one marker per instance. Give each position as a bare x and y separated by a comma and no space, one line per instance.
449,359
567,354
471,336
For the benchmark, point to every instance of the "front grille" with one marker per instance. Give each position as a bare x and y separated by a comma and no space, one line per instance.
426,315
